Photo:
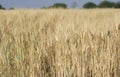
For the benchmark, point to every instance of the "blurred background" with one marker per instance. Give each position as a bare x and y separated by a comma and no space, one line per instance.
12,4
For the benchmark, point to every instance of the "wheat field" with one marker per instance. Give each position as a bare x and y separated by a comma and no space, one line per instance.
60,43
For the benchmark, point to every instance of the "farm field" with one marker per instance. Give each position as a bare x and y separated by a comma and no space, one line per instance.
60,43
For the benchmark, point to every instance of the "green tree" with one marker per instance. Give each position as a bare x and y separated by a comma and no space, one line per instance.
106,4
117,5
89,5
59,5
1,7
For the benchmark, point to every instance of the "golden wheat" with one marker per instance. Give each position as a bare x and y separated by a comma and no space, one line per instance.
60,43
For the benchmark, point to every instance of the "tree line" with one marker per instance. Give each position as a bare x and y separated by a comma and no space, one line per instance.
103,4
88,5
